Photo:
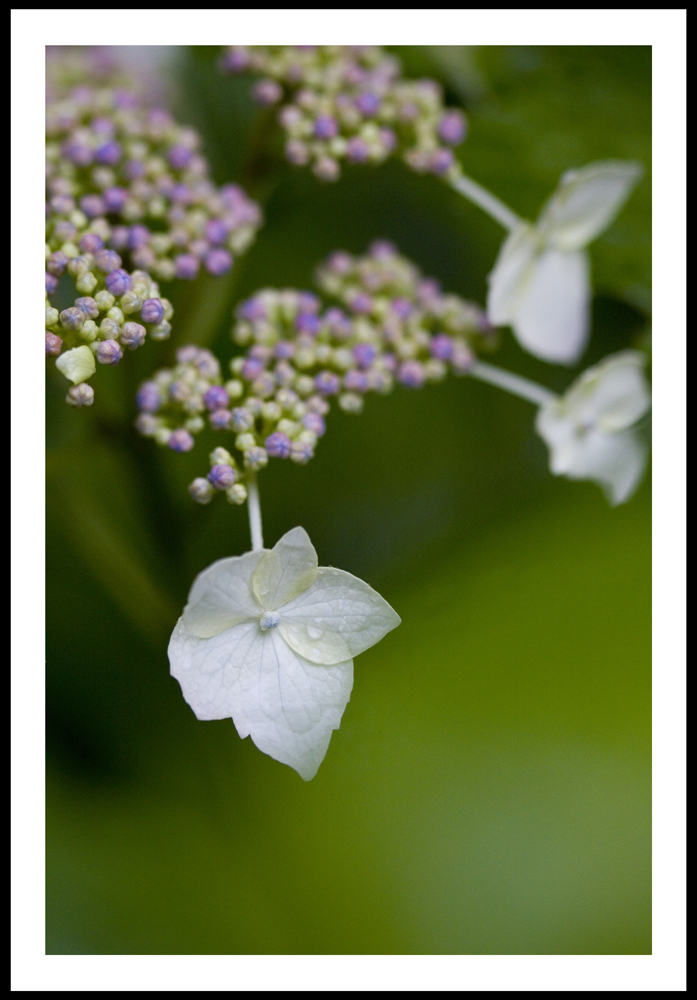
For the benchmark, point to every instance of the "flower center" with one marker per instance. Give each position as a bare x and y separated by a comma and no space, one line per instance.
270,619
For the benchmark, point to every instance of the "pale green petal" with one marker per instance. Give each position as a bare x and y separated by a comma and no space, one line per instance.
221,596
77,365
551,318
613,394
586,202
286,571
513,264
336,618
288,705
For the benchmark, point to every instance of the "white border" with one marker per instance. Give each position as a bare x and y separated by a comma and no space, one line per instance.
664,970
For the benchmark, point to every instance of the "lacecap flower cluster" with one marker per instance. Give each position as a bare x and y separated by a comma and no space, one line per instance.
393,326
350,102
129,203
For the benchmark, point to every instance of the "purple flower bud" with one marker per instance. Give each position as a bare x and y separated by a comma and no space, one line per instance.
236,59
119,237
308,303
327,383
441,161
91,243
65,231
252,368
402,308
216,231
207,364
78,153
152,312
301,452
109,153
88,306
148,398
462,359
325,127
126,99
92,205
364,355
388,140
368,104
252,310
180,157
453,127
115,198
242,419
267,92
180,440
134,169
109,352
278,445
284,349
428,290
132,335
107,261
186,265
218,261
357,150
297,153
118,282
382,249
361,303
315,404
307,323
261,352
412,374
326,169
62,204
73,318
441,347
315,423
339,324
53,344
216,398
356,381
389,361
138,236
103,127
57,263
221,477
220,419
181,193
81,394
51,283
201,490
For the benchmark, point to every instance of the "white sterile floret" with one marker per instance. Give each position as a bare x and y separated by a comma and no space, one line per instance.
268,639
77,364
590,430
540,284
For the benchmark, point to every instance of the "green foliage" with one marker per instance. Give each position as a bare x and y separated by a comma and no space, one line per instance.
488,791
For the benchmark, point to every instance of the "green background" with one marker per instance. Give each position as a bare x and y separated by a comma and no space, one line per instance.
489,788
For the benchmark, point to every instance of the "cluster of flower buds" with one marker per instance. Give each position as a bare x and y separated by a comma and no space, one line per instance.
394,326
128,189
349,102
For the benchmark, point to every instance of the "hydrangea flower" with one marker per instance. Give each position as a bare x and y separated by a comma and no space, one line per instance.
540,284
268,639
590,431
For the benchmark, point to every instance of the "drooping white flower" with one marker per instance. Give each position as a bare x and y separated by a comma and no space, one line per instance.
590,430
540,284
268,639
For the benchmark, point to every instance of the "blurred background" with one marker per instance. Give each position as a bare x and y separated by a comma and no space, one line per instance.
489,789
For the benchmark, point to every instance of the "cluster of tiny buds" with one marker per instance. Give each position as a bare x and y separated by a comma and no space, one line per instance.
350,103
395,327
130,203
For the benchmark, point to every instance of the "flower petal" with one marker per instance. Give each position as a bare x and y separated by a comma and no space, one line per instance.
586,202
286,571
513,263
336,618
551,317
221,596
288,705
613,394
77,364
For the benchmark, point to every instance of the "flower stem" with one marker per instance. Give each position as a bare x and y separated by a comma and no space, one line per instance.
487,201
254,513
511,382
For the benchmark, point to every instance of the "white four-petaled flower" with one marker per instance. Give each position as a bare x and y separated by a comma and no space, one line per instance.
268,639
590,430
540,284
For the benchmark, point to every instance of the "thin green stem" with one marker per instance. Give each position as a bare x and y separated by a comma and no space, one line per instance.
487,201
513,383
254,513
